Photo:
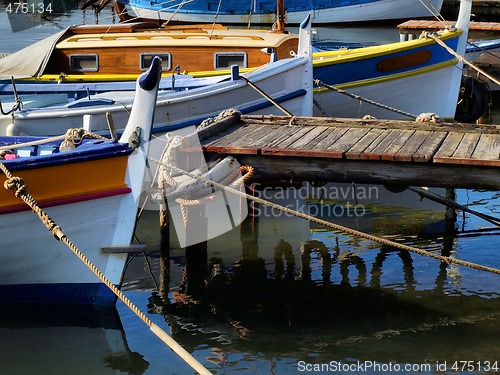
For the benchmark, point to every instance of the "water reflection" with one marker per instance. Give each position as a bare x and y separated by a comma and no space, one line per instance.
53,339
278,290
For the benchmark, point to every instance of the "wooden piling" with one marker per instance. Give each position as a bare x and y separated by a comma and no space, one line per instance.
196,268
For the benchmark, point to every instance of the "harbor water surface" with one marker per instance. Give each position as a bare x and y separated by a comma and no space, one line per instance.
281,295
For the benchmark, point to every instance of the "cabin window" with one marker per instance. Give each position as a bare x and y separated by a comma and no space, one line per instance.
147,58
226,59
84,63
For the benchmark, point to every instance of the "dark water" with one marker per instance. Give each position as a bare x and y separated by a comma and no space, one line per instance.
280,295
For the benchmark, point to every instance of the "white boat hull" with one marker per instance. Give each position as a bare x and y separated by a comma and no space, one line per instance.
408,93
376,11
182,109
34,263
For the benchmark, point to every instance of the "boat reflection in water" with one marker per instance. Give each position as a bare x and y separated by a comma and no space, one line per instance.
50,339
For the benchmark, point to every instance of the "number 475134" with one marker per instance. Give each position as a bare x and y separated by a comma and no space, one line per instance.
25,8
475,366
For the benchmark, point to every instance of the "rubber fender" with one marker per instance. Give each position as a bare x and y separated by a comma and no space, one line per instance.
472,101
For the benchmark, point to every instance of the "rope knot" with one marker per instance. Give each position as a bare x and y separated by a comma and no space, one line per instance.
73,137
16,184
57,232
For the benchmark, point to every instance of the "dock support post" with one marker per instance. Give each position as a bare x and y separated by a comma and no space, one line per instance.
196,269
164,251
450,215
164,229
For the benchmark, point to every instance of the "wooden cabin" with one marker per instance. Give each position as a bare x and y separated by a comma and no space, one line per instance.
123,49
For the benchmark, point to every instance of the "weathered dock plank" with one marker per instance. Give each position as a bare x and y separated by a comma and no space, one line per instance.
311,135
314,142
477,30
277,133
357,149
291,137
407,151
390,152
376,149
488,148
449,146
485,153
348,139
466,147
330,138
429,147
231,136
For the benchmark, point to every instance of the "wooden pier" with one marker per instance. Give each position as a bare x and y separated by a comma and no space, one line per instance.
363,151
477,30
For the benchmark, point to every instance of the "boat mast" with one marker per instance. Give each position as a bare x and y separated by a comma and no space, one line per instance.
280,14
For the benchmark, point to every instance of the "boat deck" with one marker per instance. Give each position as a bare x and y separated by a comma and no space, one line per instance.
371,151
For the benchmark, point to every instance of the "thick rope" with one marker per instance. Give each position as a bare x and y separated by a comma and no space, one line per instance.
460,58
447,260
357,97
17,185
252,85
32,143
74,137
70,140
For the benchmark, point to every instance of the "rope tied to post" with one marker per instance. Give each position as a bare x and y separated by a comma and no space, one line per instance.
74,137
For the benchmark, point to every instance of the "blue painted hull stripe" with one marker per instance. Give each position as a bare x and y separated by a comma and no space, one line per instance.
336,74
94,151
97,294
243,110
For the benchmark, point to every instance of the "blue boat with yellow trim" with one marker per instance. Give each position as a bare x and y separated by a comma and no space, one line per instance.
415,76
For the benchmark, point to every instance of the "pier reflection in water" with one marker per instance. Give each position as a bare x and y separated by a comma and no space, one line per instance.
278,289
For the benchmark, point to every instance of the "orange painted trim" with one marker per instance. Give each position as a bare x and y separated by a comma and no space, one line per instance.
69,181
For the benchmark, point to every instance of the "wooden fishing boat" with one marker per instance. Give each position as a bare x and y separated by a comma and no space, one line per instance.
264,11
402,80
120,52
283,85
91,191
